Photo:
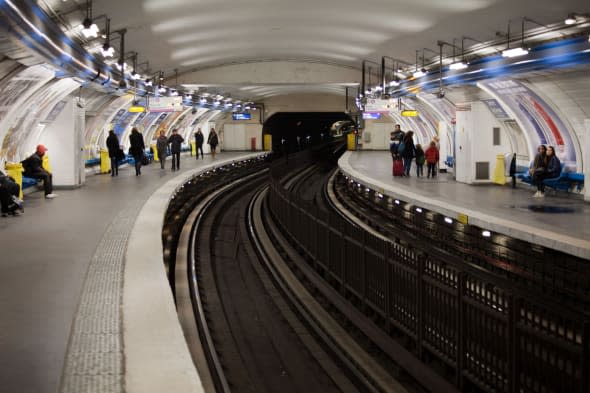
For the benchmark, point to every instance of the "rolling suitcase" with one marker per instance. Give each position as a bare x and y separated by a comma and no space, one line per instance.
398,167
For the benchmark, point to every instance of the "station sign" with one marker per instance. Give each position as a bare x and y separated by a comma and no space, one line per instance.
136,109
241,116
371,115
165,104
379,105
409,113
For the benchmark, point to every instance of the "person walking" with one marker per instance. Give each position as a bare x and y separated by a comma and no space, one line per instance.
162,147
136,149
113,147
33,167
432,157
213,141
199,139
175,142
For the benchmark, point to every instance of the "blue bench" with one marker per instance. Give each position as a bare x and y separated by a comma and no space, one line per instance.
29,182
566,181
93,161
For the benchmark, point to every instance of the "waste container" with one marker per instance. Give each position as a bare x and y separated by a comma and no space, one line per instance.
267,142
105,161
15,170
499,171
351,141
253,144
155,150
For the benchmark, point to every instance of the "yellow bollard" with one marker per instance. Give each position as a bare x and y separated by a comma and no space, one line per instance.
499,172
45,163
105,161
267,142
351,141
193,148
15,170
155,152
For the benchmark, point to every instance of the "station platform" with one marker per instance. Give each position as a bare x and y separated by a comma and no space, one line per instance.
559,221
74,273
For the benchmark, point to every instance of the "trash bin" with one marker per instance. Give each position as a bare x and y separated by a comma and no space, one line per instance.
193,148
267,142
153,148
15,170
351,141
253,144
105,161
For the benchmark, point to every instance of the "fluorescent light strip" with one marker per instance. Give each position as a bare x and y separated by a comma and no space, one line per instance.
47,39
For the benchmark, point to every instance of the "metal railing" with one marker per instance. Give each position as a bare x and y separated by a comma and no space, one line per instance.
493,337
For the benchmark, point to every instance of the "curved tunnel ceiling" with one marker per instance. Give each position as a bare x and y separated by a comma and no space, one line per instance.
191,35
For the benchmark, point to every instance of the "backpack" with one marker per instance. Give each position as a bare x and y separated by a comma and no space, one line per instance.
401,148
420,159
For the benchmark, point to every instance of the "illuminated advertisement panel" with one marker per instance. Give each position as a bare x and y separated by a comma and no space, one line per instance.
536,117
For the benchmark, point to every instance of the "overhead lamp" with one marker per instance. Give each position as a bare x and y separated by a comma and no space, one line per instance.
135,75
148,82
121,65
571,19
458,66
394,83
107,50
203,100
216,103
378,88
89,29
419,72
161,89
173,93
518,51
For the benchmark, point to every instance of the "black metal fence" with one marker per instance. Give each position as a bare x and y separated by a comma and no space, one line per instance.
492,336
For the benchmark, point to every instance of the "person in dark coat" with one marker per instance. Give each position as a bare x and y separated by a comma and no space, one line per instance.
136,149
162,147
552,170
175,142
9,191
113,147
538,169
213,141
199,139
420,159
33,167
409,152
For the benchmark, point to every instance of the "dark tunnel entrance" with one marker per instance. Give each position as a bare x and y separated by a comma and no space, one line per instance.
293,131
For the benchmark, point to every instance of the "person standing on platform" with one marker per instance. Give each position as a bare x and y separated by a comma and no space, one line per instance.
113,147
213,141
175,142
431,155
136,149
199,139
33,167
408,151
420,158
538,169
162,147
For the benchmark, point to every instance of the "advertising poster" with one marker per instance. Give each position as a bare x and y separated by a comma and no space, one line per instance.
536,117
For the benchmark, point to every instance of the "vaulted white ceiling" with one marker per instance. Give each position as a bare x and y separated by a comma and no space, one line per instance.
190,35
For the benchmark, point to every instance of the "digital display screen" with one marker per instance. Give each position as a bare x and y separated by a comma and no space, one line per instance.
371,116
241,116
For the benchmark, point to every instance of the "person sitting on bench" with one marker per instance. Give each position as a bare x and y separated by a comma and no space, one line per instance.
33,167
9,191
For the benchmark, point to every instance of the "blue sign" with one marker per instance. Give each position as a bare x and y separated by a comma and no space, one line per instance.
241,116
371,116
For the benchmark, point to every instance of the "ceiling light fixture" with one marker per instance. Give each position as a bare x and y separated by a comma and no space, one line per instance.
518,51
419,73
107,50
571,19
89,29
148,82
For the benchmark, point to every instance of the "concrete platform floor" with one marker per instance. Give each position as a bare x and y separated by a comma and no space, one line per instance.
44,258
558,221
